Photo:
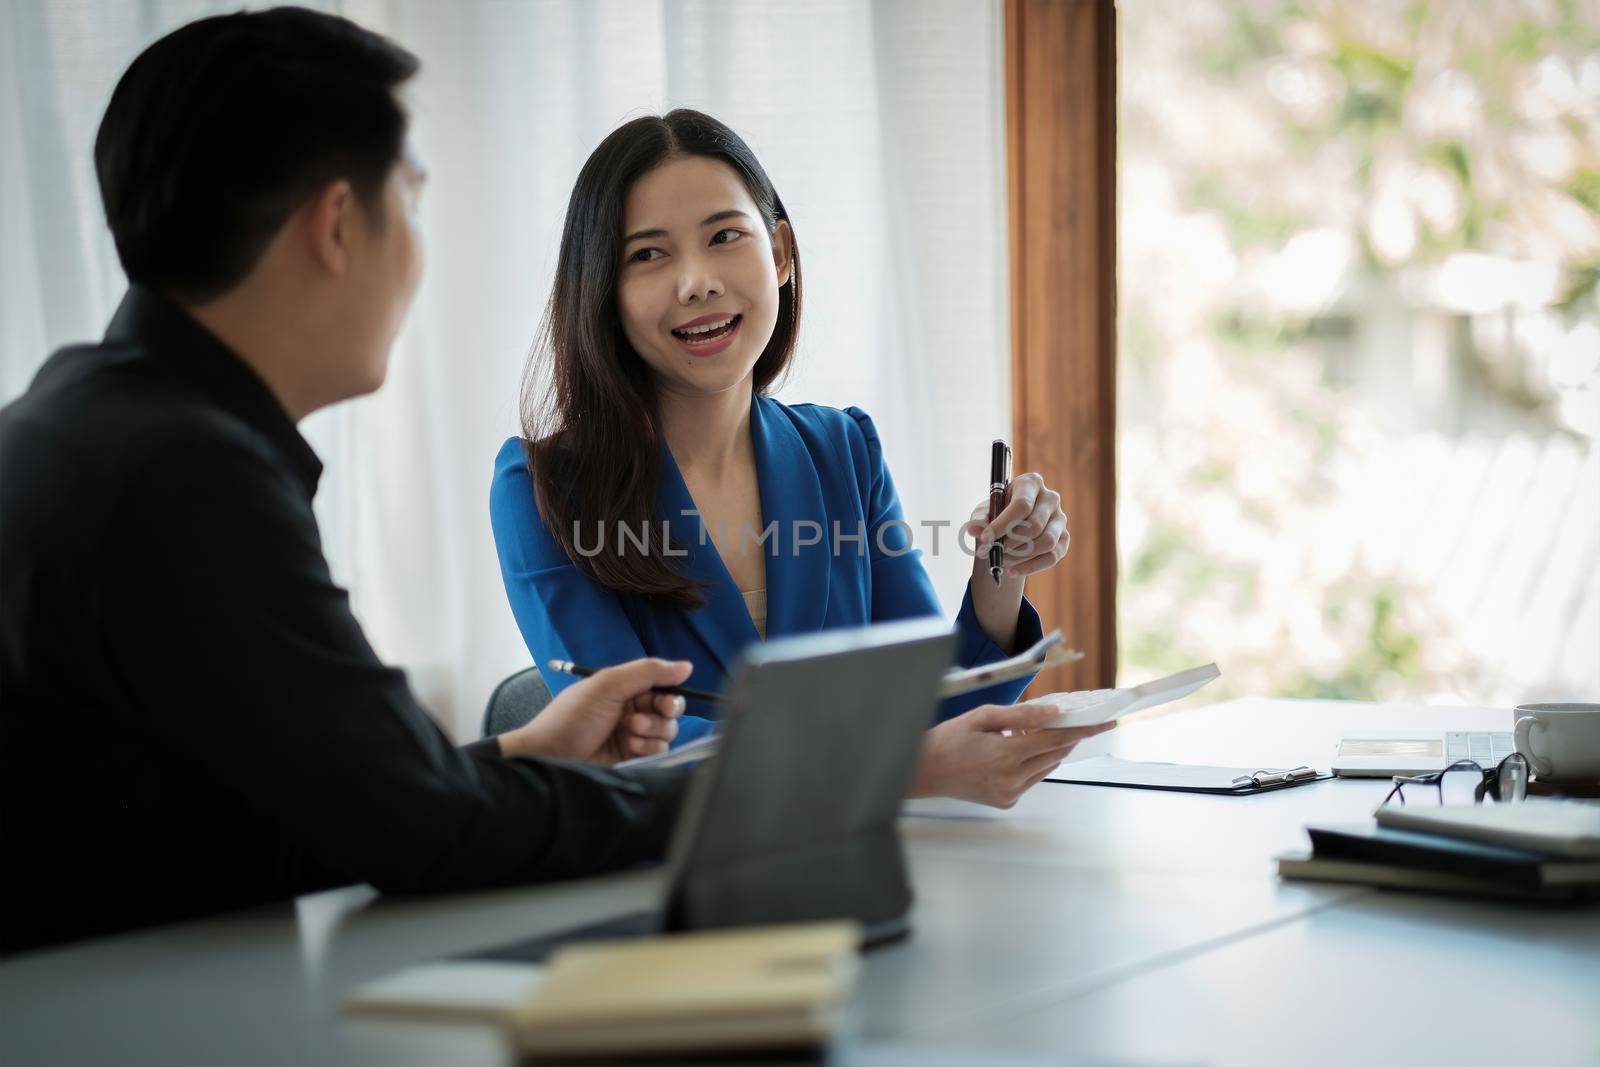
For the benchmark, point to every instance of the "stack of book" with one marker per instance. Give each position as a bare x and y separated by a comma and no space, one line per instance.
1535,850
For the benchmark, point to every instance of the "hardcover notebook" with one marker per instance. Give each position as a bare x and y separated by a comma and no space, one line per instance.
1183,777
1387,856
1513,866
755,990
1562,828
1309,867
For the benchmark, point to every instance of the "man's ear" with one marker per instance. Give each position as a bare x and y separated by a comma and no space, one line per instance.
783,251
329,218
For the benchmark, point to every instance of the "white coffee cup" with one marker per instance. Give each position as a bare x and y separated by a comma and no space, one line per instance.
1561,741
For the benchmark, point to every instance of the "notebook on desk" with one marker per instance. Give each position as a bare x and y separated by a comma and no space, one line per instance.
756,989
767,989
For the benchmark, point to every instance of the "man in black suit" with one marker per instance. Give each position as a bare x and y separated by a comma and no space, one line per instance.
192,719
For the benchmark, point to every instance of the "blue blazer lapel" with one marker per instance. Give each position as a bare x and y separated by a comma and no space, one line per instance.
791,493
723,623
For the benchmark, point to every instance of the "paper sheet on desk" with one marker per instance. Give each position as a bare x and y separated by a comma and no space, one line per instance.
461,990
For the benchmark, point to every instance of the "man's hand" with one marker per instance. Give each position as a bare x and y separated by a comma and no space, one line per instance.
994,754
606,718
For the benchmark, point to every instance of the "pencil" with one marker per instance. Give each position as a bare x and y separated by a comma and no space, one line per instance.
566,666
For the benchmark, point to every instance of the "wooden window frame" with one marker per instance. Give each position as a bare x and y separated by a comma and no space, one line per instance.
1060,83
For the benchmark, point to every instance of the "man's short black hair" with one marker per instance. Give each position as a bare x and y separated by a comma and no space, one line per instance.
221,129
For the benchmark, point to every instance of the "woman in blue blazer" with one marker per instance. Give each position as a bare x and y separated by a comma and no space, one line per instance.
660,504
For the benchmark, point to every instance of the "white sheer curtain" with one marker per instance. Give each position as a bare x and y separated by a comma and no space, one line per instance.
880,123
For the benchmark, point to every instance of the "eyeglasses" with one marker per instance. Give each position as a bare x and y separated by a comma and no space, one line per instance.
1466,782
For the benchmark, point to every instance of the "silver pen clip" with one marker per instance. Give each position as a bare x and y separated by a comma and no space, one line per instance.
1261,778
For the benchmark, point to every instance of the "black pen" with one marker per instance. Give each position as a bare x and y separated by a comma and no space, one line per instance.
999,485
566,666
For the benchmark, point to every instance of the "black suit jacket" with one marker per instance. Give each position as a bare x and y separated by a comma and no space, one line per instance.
190,717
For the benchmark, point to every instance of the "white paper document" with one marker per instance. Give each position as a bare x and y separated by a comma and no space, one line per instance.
691,752
1046,652
483,990
1094,706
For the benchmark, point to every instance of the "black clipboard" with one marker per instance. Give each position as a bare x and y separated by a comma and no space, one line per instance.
1184,777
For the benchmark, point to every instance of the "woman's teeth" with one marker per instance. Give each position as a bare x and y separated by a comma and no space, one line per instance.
709,332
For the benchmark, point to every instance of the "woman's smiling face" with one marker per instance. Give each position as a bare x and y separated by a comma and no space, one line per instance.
699,280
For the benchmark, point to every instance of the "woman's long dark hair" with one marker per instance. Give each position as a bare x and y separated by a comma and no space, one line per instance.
593,434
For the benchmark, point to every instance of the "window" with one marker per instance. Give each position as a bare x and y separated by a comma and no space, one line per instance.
1359,348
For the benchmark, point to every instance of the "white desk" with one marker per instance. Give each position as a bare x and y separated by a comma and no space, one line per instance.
1086,925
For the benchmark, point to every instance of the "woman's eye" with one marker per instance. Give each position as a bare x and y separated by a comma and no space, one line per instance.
722,237
645,255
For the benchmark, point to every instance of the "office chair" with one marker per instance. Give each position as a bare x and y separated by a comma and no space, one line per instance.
515,702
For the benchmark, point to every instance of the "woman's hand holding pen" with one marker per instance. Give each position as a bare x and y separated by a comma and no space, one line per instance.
607,718
1032,529
995,753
